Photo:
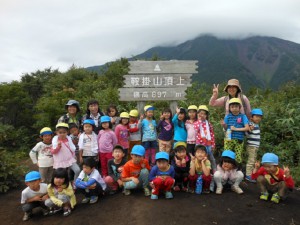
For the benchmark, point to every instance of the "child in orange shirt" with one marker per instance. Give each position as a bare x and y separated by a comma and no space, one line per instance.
136,171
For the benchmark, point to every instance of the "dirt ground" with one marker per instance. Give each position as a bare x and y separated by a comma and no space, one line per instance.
228,208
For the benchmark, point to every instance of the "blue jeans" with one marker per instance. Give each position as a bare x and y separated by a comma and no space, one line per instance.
211,158
143,181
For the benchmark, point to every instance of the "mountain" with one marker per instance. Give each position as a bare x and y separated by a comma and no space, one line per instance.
266,62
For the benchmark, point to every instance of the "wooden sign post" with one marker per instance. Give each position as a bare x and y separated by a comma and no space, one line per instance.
157,81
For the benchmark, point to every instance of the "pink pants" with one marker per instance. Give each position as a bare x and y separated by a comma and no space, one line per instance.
113,185
103,158
150,155
162,185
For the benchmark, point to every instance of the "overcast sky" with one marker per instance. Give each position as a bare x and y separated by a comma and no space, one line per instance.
37,34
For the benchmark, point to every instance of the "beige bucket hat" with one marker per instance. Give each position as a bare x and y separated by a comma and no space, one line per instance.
233,82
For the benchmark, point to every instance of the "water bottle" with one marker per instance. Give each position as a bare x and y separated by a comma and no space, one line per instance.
212,185
199,183
228,134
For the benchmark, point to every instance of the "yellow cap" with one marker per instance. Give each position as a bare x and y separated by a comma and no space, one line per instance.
46,130
235,100
192,107
134,113
124,115
62,125
148,107
203,107
180,143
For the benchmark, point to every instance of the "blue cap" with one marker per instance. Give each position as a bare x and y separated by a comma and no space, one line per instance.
162,155
31,176
270,158
229,154
89,121
258,112
138,150
104,119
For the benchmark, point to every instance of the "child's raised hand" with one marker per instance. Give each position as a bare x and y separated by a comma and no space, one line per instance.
257,165
251,127
203,160
286,171
216,89
59,144
192,157
162,117
177,110
112,120
141,116
177,161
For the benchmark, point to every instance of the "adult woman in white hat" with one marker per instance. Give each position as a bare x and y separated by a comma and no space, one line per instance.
234,90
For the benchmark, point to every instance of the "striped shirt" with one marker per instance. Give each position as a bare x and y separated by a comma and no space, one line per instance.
238,121
253,137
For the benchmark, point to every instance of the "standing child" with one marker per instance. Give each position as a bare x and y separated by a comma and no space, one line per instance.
134,131
200,169
162,176
63,150
181,164
165,127
106,142
74,134
61,194
190,128
148,126
115,168
113,113
41,155
272,179
136,171
88,145
122,132
228,173
205,134
180,133
34,195
237,124
253,141
90,182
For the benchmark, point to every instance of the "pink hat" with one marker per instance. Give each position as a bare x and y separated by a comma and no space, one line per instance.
233,82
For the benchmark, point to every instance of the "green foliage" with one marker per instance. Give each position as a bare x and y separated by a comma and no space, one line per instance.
11,171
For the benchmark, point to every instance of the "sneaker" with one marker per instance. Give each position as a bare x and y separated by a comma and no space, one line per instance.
275,198
126,192
45,212
191,190
168,195
147,191
154,197
85,200
112,192
54,211
264,196
206,191
27,216
237,189
219,190
94,199
248,178
176,188
184,189
67,211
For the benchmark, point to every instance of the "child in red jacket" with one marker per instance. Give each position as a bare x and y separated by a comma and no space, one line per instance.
271,178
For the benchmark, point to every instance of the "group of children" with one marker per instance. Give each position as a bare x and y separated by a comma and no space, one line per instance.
174,154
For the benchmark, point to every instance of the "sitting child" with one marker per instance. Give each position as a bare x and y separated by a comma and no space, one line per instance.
228,173
90,182
136,171
41,155
162,176
181,164
115,168
200,169
34,195
272,179
61,194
